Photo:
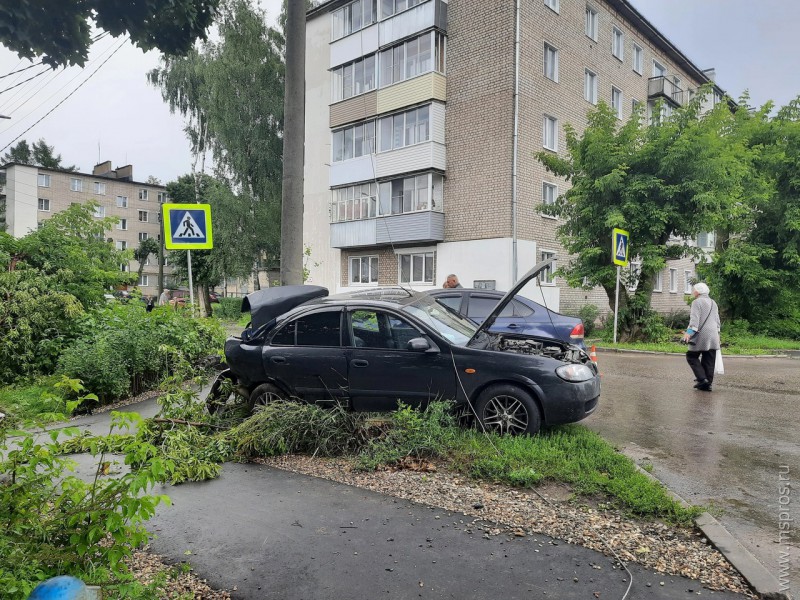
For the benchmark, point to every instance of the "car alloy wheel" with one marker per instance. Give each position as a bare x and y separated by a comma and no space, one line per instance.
508,410
264,394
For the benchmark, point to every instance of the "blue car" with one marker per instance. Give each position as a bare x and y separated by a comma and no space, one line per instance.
521,315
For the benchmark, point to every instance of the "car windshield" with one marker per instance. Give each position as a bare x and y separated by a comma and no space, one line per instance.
454,328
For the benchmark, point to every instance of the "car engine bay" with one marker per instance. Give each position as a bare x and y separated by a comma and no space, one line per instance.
537,347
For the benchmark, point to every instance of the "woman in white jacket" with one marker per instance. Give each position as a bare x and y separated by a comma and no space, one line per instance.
702,336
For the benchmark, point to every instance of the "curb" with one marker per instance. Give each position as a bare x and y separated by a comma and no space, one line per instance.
727,356
764,583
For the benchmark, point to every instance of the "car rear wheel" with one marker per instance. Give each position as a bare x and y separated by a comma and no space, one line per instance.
508,410
264,394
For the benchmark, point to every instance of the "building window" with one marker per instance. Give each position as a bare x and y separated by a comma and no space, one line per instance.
634,271
617,43
75,184
123,224
549,193
99,211
673,280
122,245
124,268
144,280
616,101
142,194
590,86
659,70
44,204
400,196
122,202
355,78
364,269
355,203
705,239
143,235
405,129
416,268
687,282
551,62
162,197
638,59
591,23
355,141
390,7
354,17
44,180
143,216
546,276
414,57
99,188
552,4
658,281
550,133
635,105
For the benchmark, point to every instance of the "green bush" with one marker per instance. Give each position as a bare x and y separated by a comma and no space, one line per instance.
588,313
676,319
228,309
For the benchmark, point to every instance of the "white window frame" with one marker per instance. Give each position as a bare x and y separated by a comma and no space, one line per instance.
616,100
143,195
405,116
673,281
546,277
360,260
124,268
437,60
75,184
687,284
143,235
551,66
638,59
122,202
709,239
659,70
553,5
366,85
43,180
658,282
635,104
100,188
162,197
42,203
634,272
346,10
351,129
590,86
144,280
553,188
121,245
122,225
550,122
429,255
617,43
143,213
99,212
591,26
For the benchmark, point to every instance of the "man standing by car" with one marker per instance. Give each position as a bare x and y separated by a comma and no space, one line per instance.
451,282
163,299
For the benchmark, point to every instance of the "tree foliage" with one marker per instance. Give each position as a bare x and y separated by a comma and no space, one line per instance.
665,183
60,32
141,254
40,155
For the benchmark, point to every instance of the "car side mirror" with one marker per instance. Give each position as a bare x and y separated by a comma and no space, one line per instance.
419,344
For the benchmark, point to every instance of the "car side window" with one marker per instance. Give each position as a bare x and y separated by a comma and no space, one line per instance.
453,302
376,329
481,307
521,309
318,329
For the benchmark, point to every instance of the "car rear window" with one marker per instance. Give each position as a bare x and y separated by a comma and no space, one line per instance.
481,307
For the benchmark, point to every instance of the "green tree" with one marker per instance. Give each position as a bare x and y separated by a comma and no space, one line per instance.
665,183
40,155
60,32
141,254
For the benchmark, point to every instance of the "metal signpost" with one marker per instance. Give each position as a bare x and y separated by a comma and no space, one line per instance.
187,227
619,253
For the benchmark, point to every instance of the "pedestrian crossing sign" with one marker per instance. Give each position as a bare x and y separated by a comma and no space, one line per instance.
187,226
619,247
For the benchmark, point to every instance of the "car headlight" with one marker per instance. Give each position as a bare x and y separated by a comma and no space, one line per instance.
574,372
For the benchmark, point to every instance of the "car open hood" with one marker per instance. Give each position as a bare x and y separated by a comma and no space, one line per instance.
266,305
523,281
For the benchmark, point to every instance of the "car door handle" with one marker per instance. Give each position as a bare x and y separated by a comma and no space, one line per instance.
278,359
513,326
359,363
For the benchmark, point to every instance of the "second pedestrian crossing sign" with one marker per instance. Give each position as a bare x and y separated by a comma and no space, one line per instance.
619,249
187,226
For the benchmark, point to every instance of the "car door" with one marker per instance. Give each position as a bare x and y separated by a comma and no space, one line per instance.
516,316
307,356
383,371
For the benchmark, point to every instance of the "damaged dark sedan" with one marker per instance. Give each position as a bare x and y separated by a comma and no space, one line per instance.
370,350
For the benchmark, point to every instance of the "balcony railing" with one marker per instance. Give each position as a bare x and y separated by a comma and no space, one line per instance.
662,87
416,227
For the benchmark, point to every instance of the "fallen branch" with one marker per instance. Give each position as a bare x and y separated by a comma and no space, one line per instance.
185,422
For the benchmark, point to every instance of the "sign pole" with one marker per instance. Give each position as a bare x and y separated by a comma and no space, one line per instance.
191,286
616,304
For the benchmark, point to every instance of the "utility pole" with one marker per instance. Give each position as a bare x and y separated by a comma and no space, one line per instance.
160,247
294,107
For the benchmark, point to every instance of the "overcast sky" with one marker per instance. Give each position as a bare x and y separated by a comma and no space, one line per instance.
752,45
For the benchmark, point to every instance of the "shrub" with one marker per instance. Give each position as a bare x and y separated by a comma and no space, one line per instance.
228,309
676,319
588,313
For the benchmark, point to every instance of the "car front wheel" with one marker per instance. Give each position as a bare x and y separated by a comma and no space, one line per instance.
507,409
264,394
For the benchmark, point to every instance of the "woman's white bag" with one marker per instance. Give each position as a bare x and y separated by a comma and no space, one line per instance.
719,368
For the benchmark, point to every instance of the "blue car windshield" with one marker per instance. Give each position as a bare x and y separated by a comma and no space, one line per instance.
452,327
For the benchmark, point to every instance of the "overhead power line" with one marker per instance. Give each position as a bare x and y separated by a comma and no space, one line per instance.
80,85
20,70
39,74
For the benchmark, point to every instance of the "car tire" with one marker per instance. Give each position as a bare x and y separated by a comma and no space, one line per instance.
225,395
264,394
508,410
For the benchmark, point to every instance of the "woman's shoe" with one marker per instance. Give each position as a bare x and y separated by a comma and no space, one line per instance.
704,386
700,383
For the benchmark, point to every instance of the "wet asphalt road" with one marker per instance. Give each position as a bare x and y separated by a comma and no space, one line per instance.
727,449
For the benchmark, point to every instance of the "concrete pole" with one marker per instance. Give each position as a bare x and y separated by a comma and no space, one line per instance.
293,145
